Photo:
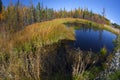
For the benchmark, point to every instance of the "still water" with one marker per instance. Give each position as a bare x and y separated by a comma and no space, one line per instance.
94,39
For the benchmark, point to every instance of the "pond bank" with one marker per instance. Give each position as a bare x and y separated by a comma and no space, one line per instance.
113,67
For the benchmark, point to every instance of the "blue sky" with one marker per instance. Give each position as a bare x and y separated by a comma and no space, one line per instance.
111,6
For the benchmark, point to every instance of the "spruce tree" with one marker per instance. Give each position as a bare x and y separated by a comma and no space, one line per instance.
0,6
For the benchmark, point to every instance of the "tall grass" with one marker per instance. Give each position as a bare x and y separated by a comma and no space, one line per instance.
25,56
48,32
39,35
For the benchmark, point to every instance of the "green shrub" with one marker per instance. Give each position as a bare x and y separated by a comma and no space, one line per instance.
114,76
103,51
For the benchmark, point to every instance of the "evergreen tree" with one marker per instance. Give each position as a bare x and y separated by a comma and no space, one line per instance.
76,14
17,11
32,14
38,12
65,13
103,12
0,6
17,16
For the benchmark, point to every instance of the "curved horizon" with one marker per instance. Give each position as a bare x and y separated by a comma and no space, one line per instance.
111,7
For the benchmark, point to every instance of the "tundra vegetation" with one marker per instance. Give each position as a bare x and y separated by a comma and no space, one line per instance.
33,43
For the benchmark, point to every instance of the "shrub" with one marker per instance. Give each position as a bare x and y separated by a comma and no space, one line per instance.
114,76
103,51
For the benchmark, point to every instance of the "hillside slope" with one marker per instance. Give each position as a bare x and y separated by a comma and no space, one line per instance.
45,33
34,52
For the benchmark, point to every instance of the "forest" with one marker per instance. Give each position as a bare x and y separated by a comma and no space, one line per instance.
16,16
35,44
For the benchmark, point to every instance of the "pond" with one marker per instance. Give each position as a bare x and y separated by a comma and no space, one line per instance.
93,39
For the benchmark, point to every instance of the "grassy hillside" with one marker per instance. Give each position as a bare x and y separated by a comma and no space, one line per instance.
45,33
39,34
24,54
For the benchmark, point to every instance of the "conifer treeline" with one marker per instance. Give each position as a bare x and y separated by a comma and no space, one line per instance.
16,17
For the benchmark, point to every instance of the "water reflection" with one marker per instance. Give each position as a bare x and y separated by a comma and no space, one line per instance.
94,39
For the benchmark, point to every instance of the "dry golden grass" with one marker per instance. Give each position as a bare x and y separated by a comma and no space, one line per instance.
83,21
40,34
45,33
26,64
112,29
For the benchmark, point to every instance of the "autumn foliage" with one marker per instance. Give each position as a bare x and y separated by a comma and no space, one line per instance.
16,16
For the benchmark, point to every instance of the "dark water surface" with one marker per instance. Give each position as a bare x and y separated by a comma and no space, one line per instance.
94,39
